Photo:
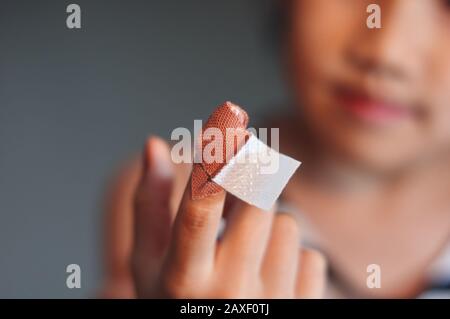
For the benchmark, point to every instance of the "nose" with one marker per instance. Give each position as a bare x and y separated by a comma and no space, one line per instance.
395,50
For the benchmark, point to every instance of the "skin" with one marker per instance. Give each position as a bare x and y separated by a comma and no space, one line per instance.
382,183
406,62
172,251
376,191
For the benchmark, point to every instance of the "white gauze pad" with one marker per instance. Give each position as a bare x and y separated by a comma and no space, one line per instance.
256,174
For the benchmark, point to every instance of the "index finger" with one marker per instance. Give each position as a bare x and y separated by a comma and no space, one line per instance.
197,223
195,231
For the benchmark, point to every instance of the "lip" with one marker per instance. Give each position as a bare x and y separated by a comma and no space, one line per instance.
371,109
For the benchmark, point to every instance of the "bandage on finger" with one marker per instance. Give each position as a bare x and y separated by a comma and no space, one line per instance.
235,160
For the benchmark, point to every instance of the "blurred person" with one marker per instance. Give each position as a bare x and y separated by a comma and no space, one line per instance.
371,123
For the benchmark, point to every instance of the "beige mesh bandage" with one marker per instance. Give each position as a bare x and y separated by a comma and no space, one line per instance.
246,167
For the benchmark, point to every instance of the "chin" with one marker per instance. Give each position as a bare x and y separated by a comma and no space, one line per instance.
386,155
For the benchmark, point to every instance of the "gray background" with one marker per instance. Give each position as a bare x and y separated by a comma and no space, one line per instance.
75,103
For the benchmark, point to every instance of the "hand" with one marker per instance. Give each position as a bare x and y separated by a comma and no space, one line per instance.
175,251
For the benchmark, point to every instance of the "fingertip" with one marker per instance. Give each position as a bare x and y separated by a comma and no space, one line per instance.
157,159
315,259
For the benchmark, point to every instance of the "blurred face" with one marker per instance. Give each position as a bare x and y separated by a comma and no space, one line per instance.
376,97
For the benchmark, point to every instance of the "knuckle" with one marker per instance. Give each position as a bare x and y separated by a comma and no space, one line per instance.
195,219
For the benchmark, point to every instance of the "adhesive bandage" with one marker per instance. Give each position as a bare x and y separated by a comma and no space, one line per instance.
235,160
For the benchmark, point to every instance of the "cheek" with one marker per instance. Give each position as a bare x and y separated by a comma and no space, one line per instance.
320,32
436,90
439,119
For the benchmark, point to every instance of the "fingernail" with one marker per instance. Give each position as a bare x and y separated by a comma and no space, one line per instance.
238,112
